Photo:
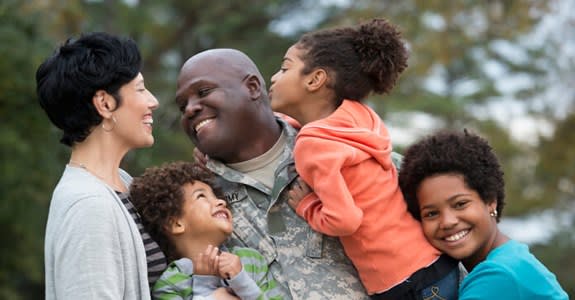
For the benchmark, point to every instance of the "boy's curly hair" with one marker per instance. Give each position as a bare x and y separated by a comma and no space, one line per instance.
157,195
458,153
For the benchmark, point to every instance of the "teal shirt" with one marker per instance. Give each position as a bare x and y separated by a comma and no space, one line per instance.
510,271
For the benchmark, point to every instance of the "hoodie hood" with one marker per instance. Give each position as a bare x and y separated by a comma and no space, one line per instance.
355,124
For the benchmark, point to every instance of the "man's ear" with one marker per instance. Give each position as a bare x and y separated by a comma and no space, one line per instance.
316,79
254,86
175,226
104,103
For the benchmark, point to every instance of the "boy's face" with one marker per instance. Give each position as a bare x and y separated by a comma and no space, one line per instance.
204,215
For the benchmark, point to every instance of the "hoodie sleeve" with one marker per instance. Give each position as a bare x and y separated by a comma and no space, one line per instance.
331,208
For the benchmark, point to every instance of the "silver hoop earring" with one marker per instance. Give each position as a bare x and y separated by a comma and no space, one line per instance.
113,126
493,214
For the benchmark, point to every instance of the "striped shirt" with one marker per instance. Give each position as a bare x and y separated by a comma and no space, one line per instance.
253,282
154,255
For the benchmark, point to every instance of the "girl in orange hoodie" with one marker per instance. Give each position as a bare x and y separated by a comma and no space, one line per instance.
343,152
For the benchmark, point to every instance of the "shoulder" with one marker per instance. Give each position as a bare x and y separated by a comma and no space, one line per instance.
77,187
488,280
80,198
181,266
509,272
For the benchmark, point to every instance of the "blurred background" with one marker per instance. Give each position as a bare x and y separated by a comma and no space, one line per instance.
502,68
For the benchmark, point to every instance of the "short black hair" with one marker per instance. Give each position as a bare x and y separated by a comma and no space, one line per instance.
68,79
452,152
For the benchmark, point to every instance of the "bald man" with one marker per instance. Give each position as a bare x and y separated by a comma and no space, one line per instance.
226,113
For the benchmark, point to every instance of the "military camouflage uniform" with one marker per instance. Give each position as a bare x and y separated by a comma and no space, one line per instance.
309,264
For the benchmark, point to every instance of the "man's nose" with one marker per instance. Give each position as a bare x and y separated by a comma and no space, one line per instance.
192,107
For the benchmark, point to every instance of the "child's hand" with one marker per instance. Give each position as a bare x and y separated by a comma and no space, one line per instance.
229,265
298,191
207,262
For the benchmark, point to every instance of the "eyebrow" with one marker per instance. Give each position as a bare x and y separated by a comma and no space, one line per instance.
448,200
200,190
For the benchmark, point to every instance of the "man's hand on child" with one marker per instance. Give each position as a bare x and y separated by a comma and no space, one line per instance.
299,189
200,158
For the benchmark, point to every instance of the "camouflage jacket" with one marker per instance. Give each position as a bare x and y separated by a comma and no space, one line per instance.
306,263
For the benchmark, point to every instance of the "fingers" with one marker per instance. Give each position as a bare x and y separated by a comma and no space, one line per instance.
200,158
230,265
207,262
297,192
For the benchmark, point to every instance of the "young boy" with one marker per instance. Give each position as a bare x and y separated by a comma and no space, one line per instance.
189,221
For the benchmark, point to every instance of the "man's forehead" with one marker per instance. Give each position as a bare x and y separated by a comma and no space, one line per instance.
209,65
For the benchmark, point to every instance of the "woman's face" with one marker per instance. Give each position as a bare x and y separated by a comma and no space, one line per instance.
455,219
134,116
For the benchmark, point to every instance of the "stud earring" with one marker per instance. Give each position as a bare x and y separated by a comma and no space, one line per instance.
493,214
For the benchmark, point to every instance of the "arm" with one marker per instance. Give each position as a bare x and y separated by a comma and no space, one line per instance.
330,209
178,282
88,252
249,277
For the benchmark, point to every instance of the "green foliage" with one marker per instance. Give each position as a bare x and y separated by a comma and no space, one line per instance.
28,156
557,257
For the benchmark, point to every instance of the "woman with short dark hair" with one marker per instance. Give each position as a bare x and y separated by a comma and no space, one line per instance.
92,89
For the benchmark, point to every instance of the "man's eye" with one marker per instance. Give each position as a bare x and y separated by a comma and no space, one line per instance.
204,92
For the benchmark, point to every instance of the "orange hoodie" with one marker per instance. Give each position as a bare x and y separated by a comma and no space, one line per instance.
346,160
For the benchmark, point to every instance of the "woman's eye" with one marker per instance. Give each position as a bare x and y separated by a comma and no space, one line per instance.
428,214
460,204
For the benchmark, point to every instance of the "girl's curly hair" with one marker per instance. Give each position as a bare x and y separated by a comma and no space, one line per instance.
359,59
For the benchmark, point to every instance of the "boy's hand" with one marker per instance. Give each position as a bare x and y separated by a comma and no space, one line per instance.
207,262
298,191
229,265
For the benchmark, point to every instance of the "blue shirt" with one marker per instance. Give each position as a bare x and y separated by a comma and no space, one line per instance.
510,271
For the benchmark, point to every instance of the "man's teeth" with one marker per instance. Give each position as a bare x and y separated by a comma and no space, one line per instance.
202,123
457,236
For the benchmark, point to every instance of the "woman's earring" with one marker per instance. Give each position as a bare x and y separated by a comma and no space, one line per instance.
493,214
113,126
